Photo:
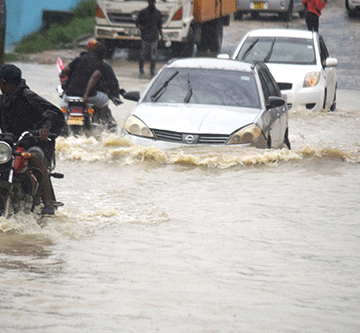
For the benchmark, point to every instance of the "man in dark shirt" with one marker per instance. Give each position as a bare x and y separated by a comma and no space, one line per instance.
23,110
83,74
150,24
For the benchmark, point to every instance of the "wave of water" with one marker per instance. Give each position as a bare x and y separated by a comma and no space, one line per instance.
118,149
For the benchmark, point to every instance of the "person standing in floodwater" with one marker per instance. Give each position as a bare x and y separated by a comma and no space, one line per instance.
150,24
313,13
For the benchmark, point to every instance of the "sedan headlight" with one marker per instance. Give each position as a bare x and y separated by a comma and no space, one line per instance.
311,79
135,126
247,134
5,152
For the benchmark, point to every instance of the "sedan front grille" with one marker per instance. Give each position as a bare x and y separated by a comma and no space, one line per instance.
188,138
167,135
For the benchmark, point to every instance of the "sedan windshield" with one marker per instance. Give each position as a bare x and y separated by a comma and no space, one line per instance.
285,50
205,86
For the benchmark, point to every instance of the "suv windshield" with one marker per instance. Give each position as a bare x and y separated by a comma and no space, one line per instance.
205,86
285,50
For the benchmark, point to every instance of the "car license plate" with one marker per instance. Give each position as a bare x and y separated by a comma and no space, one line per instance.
259,5
132,31
75,121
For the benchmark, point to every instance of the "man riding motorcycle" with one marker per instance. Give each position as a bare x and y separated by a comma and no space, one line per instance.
92,78
23,110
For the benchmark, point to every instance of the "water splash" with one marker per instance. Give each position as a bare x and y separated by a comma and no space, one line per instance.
119,150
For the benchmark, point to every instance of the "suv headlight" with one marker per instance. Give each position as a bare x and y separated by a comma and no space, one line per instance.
247,134
311,79
5,152
135,126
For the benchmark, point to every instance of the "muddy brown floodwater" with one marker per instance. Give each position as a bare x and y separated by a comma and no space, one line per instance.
199,239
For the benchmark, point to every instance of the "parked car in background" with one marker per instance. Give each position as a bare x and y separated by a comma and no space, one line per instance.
285,8
300,63
205,101
352,7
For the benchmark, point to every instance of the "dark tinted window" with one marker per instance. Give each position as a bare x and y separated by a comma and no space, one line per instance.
205,86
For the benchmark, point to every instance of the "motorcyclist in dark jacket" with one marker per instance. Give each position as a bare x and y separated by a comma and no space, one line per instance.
23,110
88,76
108,84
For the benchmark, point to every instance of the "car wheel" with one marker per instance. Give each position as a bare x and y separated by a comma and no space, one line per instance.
325,97
287,16
347,5
269,142
333,105
302,14
286,139
351,13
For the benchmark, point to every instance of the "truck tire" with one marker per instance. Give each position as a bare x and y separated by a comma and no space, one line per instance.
185,49
215,41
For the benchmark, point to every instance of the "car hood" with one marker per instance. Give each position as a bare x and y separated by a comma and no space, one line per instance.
290,73
190,118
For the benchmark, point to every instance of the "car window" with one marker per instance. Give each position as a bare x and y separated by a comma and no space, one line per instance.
278,50
205,86
324,53
267,83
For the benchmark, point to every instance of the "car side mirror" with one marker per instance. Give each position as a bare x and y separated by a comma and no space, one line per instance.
132,96
275,102
331,62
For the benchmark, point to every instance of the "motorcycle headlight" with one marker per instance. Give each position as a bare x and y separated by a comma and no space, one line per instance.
5,152
247,134
311,79
135,126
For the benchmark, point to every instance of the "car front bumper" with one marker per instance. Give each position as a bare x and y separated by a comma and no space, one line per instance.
305,99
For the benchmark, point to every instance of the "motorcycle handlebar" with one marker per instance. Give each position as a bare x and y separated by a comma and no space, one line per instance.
35,135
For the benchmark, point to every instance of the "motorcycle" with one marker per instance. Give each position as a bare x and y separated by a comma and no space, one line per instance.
83,117
21,183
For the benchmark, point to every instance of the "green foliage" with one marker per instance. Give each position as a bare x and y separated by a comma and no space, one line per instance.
61,35
85,8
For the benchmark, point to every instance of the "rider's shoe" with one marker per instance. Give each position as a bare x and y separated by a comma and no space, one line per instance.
48,211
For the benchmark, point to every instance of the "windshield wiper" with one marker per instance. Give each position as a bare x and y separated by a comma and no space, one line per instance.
190,92
246,53
162,89
270,52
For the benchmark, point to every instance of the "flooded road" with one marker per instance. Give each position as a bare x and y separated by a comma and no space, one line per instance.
197,239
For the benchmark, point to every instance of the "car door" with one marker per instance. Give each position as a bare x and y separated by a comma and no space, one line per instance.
276,114
329,74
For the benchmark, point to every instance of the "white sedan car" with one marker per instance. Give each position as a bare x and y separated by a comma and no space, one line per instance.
299,62
204,101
